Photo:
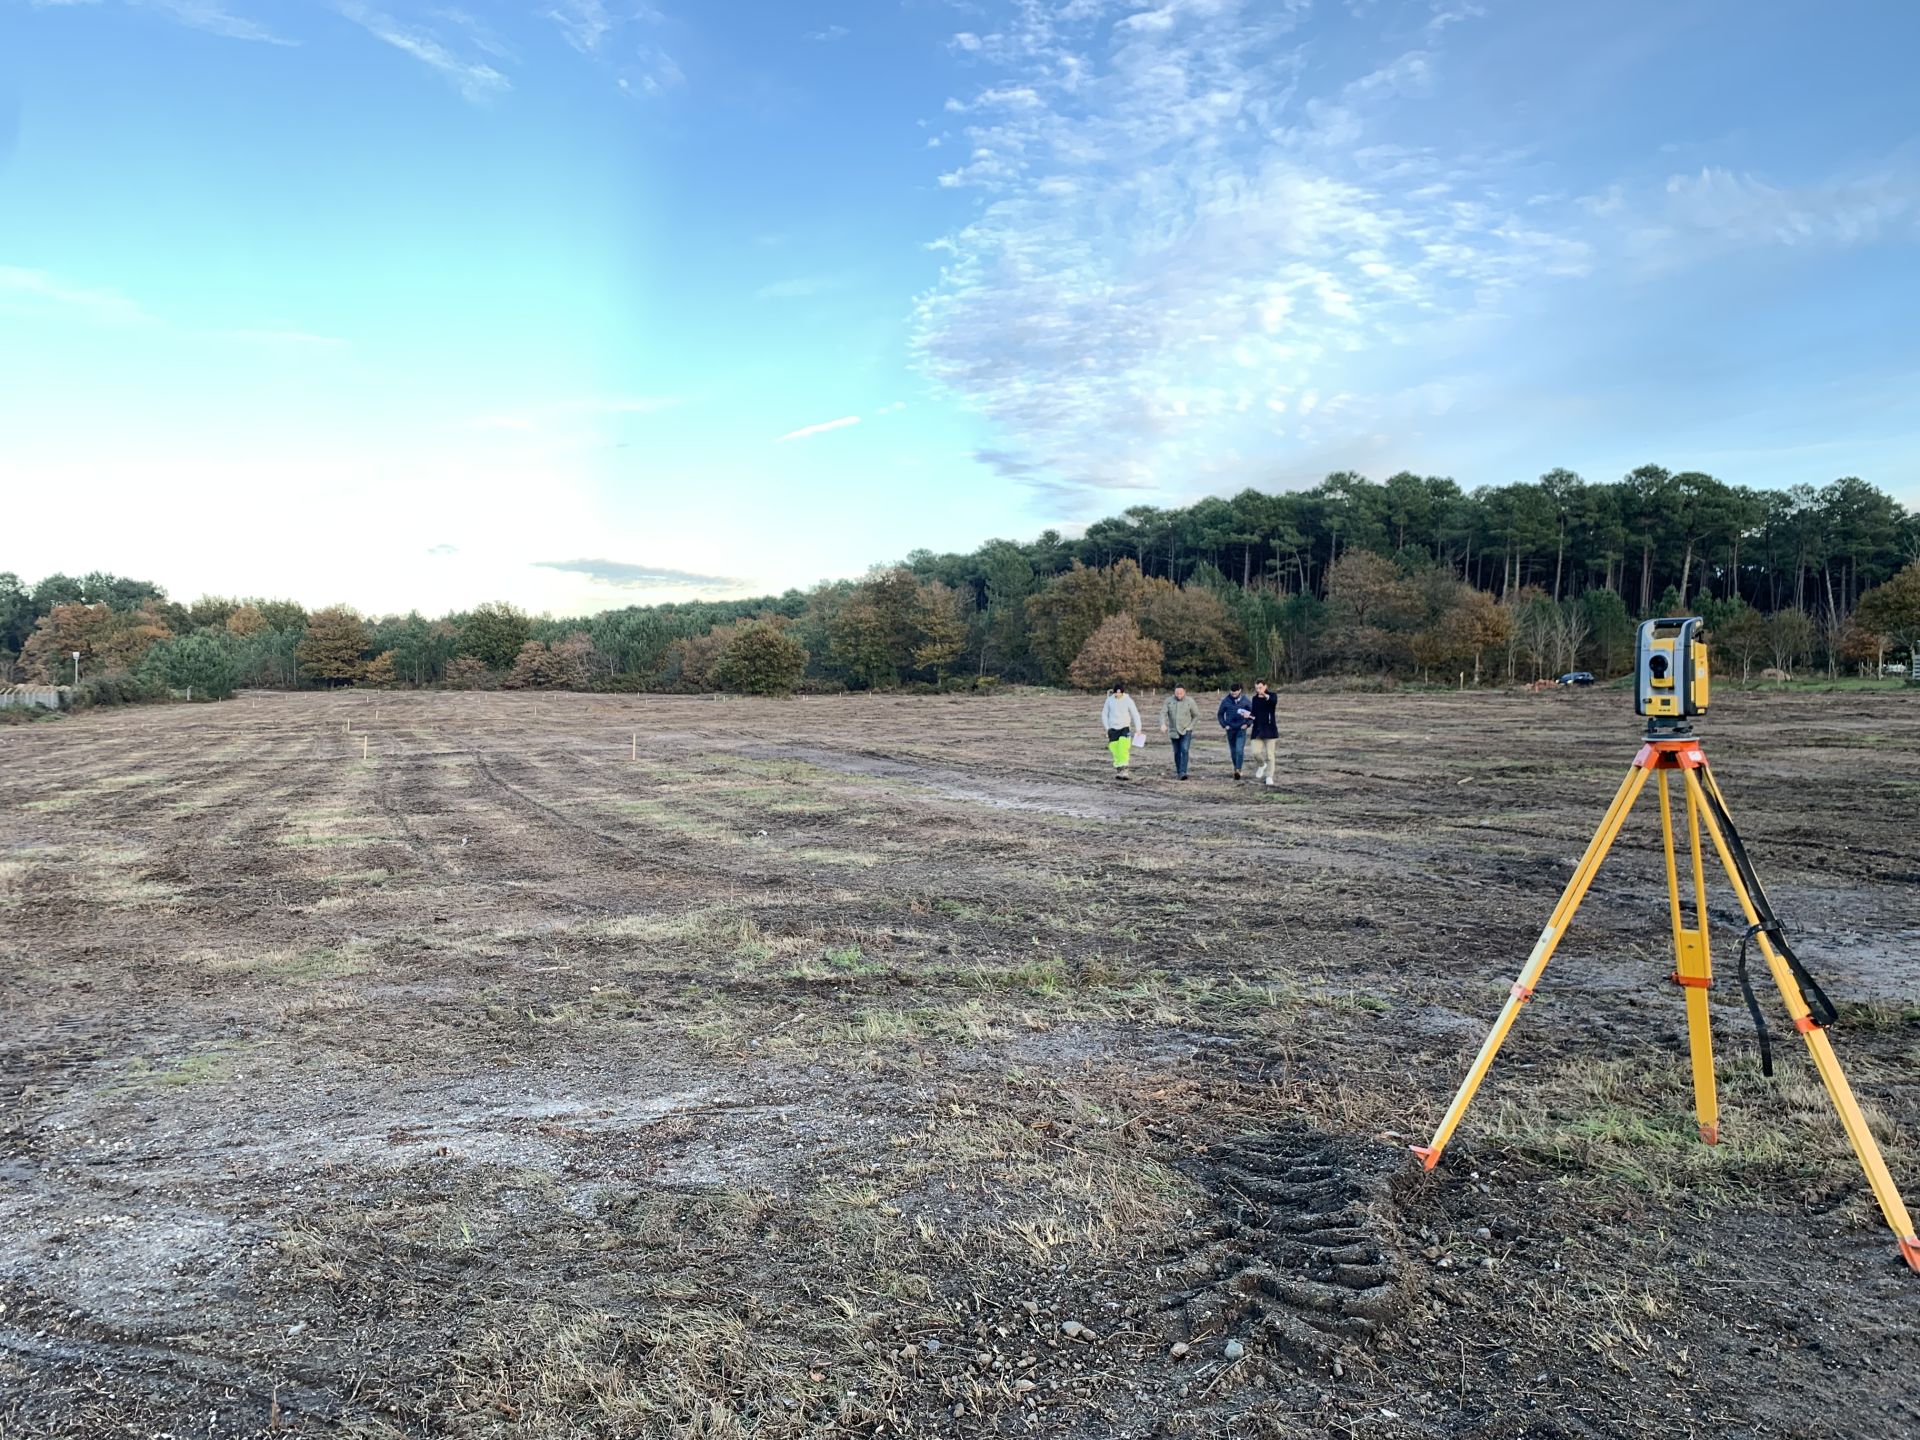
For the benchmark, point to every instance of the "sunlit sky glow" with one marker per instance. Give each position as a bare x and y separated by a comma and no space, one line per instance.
579,303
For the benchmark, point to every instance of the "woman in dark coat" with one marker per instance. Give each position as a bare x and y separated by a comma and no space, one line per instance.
1266,732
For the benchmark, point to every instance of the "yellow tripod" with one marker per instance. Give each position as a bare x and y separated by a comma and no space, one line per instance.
1706,811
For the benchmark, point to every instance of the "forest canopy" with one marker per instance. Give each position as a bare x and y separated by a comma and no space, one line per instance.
1411,577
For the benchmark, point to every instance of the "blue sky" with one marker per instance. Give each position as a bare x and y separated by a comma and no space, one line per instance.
410,303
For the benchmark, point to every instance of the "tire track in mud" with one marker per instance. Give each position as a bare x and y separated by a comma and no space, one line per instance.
657,857
1074,801
242,830
398,770
56,1340
1301,1258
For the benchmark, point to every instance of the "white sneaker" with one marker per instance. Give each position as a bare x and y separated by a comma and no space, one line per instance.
1261,773
1269,779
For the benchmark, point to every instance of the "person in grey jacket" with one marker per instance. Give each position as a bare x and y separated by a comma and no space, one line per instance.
1178,717
1121,719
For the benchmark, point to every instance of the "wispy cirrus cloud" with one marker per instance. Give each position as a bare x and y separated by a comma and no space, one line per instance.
822,428
482,36
215,20
536,416
800,287
476,80
207,15
466,51
606,33
1184,233
635,575
284,339
1726,208
29,290
585,23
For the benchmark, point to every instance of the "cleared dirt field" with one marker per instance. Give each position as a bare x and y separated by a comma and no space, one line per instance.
873,1066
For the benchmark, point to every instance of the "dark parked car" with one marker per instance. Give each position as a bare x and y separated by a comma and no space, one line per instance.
1577,677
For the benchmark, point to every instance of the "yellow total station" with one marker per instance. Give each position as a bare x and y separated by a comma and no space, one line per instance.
1670,673
1671,688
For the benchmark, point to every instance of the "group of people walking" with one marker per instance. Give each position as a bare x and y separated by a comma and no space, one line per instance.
1241,716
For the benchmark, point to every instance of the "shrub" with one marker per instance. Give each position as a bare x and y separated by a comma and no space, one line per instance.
1116,651
116,689
761,660
465,672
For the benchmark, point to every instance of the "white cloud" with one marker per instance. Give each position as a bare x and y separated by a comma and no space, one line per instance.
23,289
651,74
479,34
284,339
831,32
475,79
585,23
799,287
539,416
1744,210
1173,232
805,430
207,15
211,17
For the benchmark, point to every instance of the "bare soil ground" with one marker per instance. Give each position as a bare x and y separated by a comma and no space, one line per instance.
870,1066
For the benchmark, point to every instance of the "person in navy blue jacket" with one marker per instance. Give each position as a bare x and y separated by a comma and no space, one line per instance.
1235,717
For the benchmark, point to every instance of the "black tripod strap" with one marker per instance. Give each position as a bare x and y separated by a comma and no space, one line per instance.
1768,925
1753,1004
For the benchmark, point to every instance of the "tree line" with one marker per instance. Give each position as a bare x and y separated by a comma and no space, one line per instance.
1410,577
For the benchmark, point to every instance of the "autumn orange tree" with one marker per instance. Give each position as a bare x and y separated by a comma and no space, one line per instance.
335,645
556,665
108,640
246,620
1116,651
1063,616
380,671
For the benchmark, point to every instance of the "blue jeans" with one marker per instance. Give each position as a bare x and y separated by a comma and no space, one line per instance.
1182,744
1237,746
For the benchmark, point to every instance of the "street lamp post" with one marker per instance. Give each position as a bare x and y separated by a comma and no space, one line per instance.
76,667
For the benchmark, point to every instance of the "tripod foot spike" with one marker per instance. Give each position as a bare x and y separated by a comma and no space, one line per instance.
1910,1251
1710,1134
1429,1155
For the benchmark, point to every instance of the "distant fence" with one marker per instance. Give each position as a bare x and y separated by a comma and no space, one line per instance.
47,697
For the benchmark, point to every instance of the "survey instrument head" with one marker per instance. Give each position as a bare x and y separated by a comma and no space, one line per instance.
1670,674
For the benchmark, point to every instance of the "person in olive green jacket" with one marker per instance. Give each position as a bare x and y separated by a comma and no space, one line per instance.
1178,717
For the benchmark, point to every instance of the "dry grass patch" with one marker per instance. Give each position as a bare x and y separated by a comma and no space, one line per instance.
1631,1120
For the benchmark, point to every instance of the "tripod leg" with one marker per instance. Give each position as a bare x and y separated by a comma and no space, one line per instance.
1543,949
1859,1135
1694,968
